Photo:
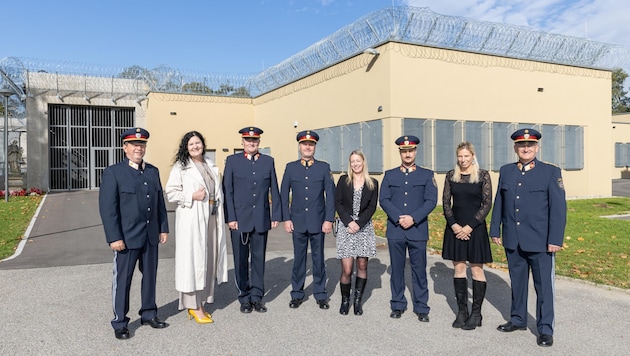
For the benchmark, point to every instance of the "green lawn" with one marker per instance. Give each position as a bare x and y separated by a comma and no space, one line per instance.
15,217
595,249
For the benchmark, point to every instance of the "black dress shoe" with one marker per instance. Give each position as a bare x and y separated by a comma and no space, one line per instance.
259,307
509,327
122,333
295,303
545,340
155,323
246,307
423,317
323,304
396,314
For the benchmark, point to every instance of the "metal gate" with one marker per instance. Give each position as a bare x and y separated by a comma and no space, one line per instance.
83,141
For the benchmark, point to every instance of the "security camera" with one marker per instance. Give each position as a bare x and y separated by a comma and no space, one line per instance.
295,123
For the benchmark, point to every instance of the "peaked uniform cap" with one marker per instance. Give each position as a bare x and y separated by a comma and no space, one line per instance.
526,135
135,134
407,142
307,135
250,131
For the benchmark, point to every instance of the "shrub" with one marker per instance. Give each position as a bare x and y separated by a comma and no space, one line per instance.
22,192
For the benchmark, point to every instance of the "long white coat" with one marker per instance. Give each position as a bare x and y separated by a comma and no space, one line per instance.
191,226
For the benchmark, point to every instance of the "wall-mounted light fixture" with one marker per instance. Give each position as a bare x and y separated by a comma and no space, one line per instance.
380,108
371,51
173,113
540,90
295,124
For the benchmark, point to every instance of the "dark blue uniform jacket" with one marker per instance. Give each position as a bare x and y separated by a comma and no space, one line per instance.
529,208
413,193
312,194
131,204
247,186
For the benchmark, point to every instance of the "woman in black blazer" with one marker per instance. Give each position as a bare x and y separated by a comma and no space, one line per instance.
355,201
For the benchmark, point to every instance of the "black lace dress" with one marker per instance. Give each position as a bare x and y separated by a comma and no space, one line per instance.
467,204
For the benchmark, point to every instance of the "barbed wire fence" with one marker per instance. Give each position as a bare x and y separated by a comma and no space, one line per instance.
409,25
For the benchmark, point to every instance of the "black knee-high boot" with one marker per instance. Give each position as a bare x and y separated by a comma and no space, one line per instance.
461,294
479,293
345,298
359,287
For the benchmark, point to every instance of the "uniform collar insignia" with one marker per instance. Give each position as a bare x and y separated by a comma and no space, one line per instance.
307,163
408,170
254,157
526,167
136,166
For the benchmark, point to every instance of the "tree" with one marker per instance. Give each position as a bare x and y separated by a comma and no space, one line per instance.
241,92
133,72
197,88
620,102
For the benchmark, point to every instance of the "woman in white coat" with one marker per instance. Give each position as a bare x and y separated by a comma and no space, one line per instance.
200,251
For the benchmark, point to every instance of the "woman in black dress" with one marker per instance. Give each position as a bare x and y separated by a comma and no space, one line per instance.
466,200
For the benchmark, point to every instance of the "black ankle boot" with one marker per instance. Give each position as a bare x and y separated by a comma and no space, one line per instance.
359,287
345,298
479,293
461,294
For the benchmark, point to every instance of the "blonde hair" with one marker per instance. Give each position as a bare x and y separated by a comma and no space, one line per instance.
474,174
366,175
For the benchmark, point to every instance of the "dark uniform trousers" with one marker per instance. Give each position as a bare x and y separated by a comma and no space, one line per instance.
247,184
529,213
408,193
312,192
131,204
124,266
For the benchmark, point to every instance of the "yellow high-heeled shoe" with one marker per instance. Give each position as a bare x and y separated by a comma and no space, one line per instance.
205,320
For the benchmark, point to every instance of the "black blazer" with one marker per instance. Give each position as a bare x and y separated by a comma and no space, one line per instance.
343,201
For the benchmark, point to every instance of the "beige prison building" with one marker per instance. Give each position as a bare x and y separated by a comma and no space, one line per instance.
394,72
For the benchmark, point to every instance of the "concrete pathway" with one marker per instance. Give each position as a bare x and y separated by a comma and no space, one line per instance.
56,300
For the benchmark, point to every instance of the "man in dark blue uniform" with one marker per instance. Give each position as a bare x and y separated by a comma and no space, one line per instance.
530,213
408,195
308,208
249,180
134,218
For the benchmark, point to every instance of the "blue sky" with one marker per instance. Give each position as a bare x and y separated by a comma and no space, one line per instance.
245,36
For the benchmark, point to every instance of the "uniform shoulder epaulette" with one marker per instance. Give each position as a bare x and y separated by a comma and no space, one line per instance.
551,164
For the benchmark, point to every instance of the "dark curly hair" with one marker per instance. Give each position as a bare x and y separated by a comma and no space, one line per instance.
182,156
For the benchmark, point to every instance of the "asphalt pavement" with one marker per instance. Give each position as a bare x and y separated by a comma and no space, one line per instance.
56,299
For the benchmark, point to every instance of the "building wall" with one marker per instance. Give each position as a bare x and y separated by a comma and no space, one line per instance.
348,92
444,84
72,90
171,116
405,81
620,134
416,82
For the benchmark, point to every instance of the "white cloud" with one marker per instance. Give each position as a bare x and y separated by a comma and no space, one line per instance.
599,20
